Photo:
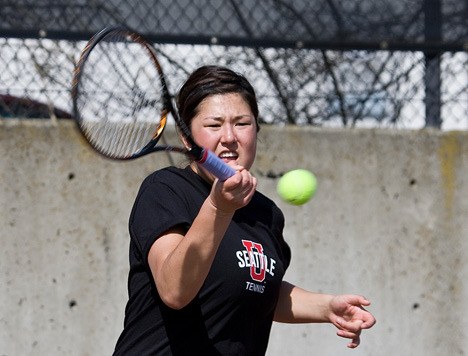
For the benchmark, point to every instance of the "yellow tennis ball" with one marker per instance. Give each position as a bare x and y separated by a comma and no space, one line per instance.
297,187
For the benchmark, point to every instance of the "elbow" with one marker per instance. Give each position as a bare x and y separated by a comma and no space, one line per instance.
174,304
174,301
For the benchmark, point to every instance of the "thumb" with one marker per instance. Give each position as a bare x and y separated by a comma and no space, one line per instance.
363,301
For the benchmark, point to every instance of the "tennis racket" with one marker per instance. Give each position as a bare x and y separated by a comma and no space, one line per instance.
121,101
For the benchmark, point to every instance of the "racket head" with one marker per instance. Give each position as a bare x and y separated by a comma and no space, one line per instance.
119,94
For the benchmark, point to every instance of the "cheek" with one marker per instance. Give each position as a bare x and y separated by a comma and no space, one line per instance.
249,142
204,138
250,151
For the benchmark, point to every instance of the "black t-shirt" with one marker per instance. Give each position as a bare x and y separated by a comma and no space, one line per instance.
233,311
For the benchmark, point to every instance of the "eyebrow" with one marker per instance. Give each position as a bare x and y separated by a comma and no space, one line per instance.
221,118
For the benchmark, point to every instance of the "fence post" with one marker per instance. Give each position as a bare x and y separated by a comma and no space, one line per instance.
432,80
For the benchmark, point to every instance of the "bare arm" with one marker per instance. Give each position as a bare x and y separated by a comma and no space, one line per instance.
296,305
180,261
346,312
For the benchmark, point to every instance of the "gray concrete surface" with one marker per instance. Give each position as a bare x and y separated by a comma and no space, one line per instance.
389,221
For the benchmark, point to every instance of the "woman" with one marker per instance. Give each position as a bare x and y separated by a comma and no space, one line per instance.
207,258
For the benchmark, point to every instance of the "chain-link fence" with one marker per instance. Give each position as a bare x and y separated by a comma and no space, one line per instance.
340,63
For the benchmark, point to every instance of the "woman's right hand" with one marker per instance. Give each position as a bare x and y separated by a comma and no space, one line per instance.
235,192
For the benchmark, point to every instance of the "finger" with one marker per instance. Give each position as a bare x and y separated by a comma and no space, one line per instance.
369,322
233,182
353,326
355,338
354,343
248,180
347,334
252,188
358,300
364,301
249,187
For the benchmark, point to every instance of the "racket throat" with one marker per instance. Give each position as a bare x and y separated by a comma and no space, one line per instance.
198,154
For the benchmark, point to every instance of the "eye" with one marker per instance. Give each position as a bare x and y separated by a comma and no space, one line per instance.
213,125
244,123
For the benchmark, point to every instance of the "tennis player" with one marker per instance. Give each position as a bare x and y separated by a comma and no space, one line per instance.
207,258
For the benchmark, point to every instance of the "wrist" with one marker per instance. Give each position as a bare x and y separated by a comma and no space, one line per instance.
218,211
327,306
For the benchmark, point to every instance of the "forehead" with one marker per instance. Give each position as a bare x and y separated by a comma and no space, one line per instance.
224,104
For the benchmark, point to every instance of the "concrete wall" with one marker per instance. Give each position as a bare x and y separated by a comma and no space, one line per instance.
389,220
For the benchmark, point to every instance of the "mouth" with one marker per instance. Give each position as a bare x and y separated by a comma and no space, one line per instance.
228,156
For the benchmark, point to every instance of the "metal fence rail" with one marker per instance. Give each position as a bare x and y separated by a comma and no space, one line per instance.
353,63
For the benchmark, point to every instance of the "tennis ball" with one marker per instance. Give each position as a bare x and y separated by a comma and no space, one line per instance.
297,186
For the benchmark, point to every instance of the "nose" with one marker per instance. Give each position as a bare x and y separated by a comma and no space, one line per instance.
228,134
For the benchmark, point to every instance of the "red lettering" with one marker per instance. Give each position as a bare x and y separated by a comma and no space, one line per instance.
257,260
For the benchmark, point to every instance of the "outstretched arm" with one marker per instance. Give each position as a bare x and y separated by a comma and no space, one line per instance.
346,312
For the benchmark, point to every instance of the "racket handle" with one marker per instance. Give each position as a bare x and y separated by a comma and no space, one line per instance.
215,165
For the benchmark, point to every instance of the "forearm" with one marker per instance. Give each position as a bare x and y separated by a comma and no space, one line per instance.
184,269
296,305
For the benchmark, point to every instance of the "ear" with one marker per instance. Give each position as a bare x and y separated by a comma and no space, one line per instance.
182,138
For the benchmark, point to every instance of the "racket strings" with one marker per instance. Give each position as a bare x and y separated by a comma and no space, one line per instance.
120,96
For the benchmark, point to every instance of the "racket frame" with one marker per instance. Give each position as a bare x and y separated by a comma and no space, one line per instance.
202,156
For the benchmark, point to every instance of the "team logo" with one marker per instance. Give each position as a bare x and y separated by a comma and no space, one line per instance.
254,258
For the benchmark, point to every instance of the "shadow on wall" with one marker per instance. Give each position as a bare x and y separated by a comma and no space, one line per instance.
16,107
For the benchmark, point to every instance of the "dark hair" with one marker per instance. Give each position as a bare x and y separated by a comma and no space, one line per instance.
213,80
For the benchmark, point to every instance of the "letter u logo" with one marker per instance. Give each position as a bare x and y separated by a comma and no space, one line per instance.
257,261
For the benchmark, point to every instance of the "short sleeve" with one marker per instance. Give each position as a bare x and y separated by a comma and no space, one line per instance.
158,207
278,227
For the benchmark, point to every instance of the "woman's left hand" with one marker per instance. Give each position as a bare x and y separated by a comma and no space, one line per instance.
350,317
